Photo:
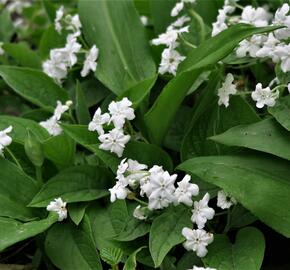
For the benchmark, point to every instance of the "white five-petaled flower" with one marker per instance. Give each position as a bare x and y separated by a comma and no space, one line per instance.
5,140
268,49
201,268
256,16
282,53
119,191
251,46
140,213
58,17
185,191
170,59
224,200
120,111
90,62
177,8
202,212
114,141
282,18
197,240
264,96
52,124
228,88
98,121
58,206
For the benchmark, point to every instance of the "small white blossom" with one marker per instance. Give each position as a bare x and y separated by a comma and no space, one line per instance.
170,61
5,140
119,191
114,141
202,212
58,18
268,49
224,200
1,48
288,87
180,22
90,62
98,121
144,20
140,213
177,9
251,46
201,268
197,240
58,206
73,24
282,18
228,88
185,191
256,16
17,6
282,53
161,192
264,96
120,111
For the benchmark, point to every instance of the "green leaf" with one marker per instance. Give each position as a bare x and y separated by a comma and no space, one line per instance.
50,9
281,111
12,231
70,248
33,85
23,55
20,126
188,260
166,230
76,184
16,191
77,211
241,217
266,136
60,150
208,53
119,214
6,26
215,120
82,112
131,263
110,25
246,254
260,183
111,256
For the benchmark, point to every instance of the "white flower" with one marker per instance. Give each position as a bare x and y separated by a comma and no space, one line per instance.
52,124
98,121
282,53
58,18
177,8
5,140
1,48
168,38
264,96
197,240
114,141
140,213
282,18
17,6
185,191
218,27
268,49
201,212
73,24
170,61
161,192
71,48
144,20
58,206
90,62
119,191
228,88
201,268
224,200
55,69
255,16
251,46
120,111
180,21
288,87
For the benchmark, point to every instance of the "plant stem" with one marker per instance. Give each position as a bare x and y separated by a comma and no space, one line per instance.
139,201
227,227
38,173
200,22
14,158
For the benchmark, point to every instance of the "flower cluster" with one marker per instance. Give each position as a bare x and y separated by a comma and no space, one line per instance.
58,206
5,140
52,124
228,88
115,140
61,59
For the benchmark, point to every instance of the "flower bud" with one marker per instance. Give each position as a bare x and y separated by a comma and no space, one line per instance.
33,149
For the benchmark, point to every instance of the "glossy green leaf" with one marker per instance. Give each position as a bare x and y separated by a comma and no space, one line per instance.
70,248
76,184
23,55
109,25
208,53
60,150
260,183
131,263
77,211
82,112
12,201
12,231
246,254
266,136
20,126
33,85
166,230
